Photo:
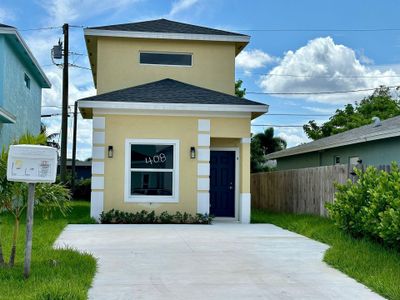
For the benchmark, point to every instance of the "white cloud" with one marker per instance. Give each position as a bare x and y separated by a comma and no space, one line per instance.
320,110
6,15
61,11
322,65
254,59
181,5
292,135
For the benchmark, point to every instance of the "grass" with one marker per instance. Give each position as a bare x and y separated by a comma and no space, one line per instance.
55,274
366,261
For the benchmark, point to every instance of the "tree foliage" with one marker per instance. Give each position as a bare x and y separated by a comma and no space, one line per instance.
239,91
380,104
264,143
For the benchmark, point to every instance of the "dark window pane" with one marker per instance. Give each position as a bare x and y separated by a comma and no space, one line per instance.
166,59
152,156
151,183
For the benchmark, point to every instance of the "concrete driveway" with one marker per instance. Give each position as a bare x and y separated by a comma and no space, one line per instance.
221,261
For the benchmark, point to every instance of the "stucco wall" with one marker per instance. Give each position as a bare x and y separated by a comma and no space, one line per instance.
118,128
381,152
16,98
118,64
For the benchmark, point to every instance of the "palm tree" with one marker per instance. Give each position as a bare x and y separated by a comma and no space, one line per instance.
268,142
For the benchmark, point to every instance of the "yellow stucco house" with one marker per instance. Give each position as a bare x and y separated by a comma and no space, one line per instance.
169,134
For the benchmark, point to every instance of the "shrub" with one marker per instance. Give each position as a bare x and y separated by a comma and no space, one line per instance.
371,206
144,217
82,189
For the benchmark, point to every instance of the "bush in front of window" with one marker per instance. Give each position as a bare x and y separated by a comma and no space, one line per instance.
115,216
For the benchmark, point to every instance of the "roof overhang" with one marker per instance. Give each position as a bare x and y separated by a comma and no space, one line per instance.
86,108
45,82
6,117
366,138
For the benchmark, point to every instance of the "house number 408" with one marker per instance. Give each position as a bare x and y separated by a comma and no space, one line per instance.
160,158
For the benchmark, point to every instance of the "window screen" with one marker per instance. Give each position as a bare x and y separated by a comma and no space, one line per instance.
173,59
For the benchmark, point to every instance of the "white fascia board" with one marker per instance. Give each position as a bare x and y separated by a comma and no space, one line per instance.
8,116
172,106
363,139
14,31
168,36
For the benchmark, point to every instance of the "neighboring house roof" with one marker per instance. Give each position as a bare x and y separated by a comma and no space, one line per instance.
172,94
19,44
166,26
388,128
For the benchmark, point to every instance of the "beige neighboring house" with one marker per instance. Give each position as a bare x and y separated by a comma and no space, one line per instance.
169,134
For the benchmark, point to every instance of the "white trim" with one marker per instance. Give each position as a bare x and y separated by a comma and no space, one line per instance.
245,208
11,30
175,172
203,169
96,204
97,182
99,122
8,116
172,113
98,152
204,125
203,202
172,106
99,137
203,184
167,36
245,141
237,174
203,154
98,167
203,139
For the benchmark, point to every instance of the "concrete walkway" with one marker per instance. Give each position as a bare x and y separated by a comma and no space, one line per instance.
222,261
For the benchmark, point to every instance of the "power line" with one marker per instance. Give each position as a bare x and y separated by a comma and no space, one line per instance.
294,114
320,30
273,125
41,28
317,92
322,76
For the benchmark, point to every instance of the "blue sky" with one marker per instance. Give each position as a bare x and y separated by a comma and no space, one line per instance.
324,60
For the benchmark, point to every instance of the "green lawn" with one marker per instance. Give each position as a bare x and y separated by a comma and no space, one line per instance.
367,262
55,274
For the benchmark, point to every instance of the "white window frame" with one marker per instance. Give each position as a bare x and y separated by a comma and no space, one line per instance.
175,172
165,52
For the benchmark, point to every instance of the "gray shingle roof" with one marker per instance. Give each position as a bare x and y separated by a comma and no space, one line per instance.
165,26
388,128
6,26
170,91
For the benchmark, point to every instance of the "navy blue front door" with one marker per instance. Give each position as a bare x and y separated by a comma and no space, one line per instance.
222,183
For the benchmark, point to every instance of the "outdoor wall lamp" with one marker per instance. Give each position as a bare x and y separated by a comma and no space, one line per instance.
192,152
110,151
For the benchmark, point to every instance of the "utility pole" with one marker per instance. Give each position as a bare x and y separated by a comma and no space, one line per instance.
64,121
74,145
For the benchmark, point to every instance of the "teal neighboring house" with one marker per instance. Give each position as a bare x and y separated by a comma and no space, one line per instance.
21,83
375,144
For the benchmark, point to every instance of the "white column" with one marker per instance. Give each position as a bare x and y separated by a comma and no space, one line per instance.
98,154
203,166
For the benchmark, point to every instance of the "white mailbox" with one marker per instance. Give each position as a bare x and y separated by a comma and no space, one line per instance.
32,163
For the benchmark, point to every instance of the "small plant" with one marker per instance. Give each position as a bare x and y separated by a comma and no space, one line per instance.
371,206
144,217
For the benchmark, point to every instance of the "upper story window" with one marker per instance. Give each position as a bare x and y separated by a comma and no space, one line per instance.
167,59
27,81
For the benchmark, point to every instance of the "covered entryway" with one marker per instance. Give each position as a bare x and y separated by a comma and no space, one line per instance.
222,183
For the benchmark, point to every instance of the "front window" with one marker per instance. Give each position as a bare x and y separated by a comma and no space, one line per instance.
167,59
152,174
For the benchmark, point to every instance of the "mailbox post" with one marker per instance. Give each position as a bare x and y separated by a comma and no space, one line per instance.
31,164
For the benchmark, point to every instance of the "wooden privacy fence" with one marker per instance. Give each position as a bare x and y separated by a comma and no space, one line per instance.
297,191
